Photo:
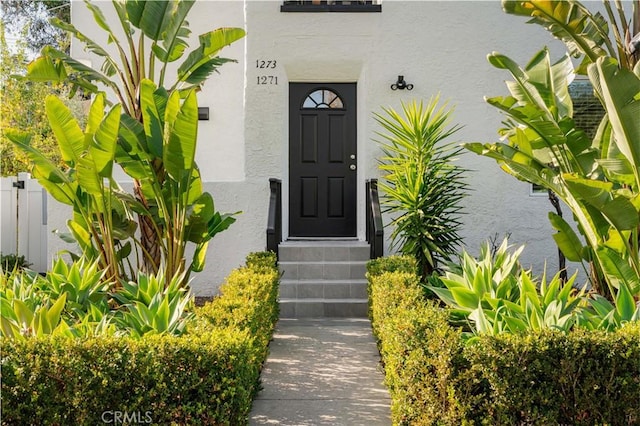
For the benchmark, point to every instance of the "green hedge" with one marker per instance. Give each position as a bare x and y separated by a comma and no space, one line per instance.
207,376
543,378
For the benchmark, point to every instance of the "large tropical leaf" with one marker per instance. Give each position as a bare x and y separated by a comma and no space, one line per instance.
180,150
66,129
202,61
583,32
566,239
617,269
619,92
152,119
103,146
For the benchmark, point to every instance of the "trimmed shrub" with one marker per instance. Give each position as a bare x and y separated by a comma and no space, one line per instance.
205,379
394,263
262,259
548,377
208,376
580,378
422,355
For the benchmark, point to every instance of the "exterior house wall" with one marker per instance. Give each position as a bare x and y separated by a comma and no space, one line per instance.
439,46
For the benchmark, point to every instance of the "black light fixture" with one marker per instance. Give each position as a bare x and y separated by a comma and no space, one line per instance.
401,84
203,113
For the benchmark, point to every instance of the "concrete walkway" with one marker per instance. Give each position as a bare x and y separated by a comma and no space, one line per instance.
322,372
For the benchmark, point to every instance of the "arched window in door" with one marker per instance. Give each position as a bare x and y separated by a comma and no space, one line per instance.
323,98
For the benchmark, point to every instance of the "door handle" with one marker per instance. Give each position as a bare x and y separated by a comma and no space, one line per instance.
352,167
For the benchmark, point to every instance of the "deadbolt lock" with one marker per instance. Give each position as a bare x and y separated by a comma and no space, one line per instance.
353,156
352,167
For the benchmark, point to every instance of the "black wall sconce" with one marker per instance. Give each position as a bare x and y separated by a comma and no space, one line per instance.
203,113
401,84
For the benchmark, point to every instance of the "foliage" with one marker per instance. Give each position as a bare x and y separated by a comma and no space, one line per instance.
422,189
157,132
22,106
195,379
395,263
419,350
100,224
598,179
262,259
539,377
181,211
498,296
586,34
583,378
77,300
248,300
153,306
213,374
13,262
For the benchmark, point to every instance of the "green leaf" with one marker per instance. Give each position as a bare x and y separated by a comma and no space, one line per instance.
621,213
54,313
45,69
445,295
103,148
566,239
465,298
617,270
199,257
161,319
151,118
483,325
179,151
625,305
583,32
66,129
88,178
619,92
23,314
201,62
95,116
81,235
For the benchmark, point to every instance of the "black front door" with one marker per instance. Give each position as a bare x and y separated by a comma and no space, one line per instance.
322,160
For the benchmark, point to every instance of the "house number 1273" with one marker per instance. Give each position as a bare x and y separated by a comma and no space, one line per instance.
265,64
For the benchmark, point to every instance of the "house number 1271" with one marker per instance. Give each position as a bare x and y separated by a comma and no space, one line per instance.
267,79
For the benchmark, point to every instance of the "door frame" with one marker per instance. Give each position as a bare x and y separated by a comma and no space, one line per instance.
287,217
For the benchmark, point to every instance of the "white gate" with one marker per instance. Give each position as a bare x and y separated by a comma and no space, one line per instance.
23,226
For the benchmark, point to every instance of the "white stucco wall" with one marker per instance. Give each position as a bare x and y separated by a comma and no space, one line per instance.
440,47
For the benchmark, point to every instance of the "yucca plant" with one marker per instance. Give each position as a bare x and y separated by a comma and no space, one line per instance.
421,186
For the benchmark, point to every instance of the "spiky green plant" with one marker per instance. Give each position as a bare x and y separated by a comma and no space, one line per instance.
422,188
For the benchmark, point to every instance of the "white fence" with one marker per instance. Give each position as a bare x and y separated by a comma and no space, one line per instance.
23,220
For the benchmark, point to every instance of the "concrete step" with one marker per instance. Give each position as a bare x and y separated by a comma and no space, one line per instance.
323,308
318,251
323,270
327,289
323,278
